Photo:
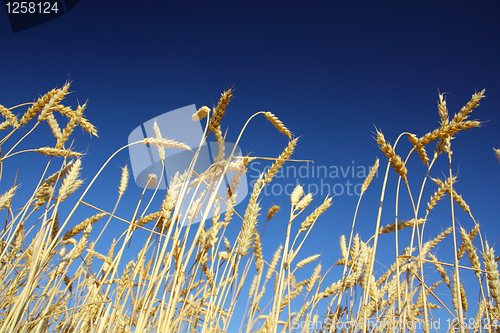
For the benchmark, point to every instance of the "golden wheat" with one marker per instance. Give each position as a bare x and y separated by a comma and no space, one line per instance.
440,269
6,198
285,155
389,152
308,260
47,151
304,202
35,108
402,224
165,143
220,110
272,211
314,215
70,126
81,226
297,193
201,113
492,270
53,281
497,153
278,124
370,176
9,116
419,147
274,262
471,252
54,100
468,108
259,261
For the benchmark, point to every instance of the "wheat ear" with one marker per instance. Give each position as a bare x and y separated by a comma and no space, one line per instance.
54,100
165,143
440,269
497,153
274,262
70,126
71,182
123,181
273,210
201,113
219,110
419,147
80,227
297,193
370,176
468,108
9,116
250,219
314,277
259,261
314,215
402,224
285,155
493,276
389,152
48,151
308,260
37,106
278,124
471,252
6,198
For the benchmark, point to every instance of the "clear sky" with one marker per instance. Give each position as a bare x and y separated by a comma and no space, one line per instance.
331,71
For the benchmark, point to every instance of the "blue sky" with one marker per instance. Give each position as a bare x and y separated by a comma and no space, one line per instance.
329,71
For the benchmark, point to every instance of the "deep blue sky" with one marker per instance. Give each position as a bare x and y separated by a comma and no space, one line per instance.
330,71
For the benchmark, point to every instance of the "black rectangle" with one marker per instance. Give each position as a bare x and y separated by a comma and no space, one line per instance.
28,14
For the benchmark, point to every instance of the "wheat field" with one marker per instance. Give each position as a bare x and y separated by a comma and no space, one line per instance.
190,279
